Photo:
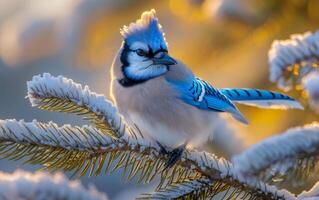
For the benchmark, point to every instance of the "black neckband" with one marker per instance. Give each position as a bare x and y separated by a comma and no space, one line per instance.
127,82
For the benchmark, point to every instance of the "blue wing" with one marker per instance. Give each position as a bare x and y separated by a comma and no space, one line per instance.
202,95
260,98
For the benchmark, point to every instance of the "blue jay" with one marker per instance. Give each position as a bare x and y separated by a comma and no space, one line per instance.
164,99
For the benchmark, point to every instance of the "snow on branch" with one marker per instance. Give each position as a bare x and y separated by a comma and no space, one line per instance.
286,158
64,95
27,186
67,148
189,189
292,59
312,194
203,188
218,177
86,150
311,86
67,137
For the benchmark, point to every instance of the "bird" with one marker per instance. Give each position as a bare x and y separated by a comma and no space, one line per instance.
161,96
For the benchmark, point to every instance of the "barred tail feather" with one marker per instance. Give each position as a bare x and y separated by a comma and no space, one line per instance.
261,98
274,104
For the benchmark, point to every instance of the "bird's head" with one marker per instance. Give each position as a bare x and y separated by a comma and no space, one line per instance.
145,53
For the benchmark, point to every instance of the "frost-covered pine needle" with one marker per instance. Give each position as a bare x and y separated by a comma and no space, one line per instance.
311,85
66,136
290,156
189,189
64,95
221,178
312,194
292,59
22,185
86,148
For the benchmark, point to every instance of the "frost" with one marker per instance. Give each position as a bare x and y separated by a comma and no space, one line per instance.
226,169
279,153
300,49
311,85
89,139
312,194
27,186
47,86
50,134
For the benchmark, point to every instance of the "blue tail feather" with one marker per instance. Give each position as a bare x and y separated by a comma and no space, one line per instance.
242,94
260,98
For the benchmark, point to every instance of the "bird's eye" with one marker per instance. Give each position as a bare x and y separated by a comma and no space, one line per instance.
140,52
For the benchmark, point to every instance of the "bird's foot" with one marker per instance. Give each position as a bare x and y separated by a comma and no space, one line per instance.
173,156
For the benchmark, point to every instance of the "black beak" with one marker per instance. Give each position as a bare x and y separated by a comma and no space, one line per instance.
164,60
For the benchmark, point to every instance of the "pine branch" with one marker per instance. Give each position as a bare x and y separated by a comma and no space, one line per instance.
202,188
310,84
290,60
39,186
312,194
288,158
188,189
223,188
86,150
55,147
63,95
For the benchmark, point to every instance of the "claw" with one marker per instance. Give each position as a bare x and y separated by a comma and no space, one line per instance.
173,156
163,151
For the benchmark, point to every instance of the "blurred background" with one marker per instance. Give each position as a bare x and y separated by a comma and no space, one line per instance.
225,42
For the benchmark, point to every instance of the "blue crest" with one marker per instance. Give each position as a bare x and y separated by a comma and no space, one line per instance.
146,30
